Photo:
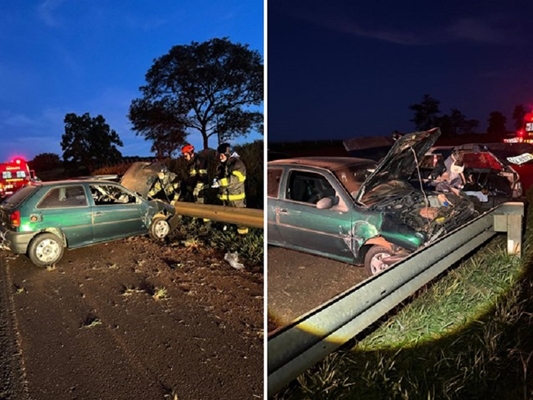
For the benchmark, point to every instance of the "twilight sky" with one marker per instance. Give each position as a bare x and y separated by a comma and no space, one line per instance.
63,56
342,69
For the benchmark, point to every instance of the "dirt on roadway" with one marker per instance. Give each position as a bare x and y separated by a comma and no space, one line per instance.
299,282
131,319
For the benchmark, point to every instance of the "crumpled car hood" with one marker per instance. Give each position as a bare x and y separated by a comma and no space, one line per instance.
140,177
401,160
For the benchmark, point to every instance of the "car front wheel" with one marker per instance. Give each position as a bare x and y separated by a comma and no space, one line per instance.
375,259
45,249
160,228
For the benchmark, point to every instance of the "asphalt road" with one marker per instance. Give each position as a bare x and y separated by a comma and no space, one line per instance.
299,282
92,327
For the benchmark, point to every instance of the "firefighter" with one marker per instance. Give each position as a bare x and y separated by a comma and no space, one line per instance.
167,186
197,181
230,181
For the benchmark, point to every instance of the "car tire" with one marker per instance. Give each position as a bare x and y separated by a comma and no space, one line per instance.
374,259
159,228
45,249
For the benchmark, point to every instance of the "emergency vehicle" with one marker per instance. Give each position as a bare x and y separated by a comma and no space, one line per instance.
525,133
14,175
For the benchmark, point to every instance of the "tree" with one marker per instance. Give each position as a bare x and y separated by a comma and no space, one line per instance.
518,115
497,123
456,123
45,162
160,124
426,113
211,87
89,141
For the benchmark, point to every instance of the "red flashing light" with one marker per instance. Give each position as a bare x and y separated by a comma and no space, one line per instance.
520,133
14,219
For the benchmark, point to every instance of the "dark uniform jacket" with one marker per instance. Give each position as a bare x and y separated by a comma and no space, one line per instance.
232,175
197,179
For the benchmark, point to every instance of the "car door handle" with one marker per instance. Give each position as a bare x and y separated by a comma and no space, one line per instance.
282,211
98,213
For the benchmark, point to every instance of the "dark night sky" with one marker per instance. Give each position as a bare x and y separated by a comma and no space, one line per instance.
343,69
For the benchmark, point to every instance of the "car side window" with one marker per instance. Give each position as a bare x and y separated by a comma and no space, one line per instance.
273,180
308,187
105,194
64,196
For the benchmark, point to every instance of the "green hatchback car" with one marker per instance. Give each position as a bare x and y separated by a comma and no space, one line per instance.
44,218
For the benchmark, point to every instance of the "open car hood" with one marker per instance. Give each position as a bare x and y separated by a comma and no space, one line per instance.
141,176
401,160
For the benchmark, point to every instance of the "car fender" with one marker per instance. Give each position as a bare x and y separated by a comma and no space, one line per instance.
379,241
56,231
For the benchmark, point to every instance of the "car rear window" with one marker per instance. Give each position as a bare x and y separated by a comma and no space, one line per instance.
20,196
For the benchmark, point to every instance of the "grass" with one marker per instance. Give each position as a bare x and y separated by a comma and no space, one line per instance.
160,293
467,336
197,237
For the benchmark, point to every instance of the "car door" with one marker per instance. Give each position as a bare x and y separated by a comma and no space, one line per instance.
116,212
66,208
302,225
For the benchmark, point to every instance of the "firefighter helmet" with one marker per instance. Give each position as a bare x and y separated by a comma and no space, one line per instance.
188,148
224,148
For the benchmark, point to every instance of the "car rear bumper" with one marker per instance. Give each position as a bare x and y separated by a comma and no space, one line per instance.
17,242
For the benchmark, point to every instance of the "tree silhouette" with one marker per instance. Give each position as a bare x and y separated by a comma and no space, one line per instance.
45,162
427,116
210,87
89,141
426,113
519,113
161,124
497,123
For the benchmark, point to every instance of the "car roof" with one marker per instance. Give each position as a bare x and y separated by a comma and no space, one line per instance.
72,182
331,163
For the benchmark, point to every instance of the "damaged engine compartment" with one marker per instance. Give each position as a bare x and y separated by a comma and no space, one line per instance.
433,213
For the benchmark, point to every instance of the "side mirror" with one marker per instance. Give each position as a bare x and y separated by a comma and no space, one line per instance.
325,203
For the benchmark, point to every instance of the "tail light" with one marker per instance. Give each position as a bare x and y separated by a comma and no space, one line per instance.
14,219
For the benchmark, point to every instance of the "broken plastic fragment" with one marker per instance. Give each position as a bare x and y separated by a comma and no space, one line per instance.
233,260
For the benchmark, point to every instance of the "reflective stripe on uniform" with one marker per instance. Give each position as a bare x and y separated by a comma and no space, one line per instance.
202,171
232,197
239,176
223,182
192,172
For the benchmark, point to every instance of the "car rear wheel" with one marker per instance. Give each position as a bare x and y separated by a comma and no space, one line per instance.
375,259
160,228
45,249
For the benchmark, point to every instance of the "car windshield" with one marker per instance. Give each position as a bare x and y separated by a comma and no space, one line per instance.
353,177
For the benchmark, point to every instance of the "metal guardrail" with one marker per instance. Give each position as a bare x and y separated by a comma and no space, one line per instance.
297,347
250,217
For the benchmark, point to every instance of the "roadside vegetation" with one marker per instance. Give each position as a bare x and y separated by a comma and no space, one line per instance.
466,336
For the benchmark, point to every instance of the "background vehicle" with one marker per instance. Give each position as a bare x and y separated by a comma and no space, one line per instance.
42,219
14,175
525,133
486,170
357,211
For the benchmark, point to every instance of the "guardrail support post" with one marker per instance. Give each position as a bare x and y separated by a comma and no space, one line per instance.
508,218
